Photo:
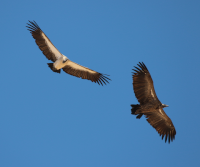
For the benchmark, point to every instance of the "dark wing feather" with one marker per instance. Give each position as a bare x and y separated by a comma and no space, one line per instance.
43,42
143,84
84,73
162,123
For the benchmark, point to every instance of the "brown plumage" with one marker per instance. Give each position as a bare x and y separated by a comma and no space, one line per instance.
61,61
150,105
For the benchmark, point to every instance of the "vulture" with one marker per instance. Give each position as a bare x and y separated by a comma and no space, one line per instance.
150,105
60,61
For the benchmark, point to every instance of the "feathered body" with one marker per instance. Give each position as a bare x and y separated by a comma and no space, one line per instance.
61,61
150,105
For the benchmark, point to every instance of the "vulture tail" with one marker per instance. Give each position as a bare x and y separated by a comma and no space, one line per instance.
135,112
53,68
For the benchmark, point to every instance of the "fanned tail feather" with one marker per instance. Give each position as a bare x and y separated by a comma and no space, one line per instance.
134,110
53,68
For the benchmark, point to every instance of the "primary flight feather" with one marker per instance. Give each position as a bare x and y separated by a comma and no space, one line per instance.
61,61
150,105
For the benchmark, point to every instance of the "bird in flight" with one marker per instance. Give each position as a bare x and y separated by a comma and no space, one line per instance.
150,105
61,61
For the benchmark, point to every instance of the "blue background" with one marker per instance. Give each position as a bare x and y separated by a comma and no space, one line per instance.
50,119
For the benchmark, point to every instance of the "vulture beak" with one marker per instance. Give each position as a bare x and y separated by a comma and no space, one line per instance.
164,105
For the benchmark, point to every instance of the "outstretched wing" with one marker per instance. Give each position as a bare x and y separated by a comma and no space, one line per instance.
45,45
162,123
143,84
84,73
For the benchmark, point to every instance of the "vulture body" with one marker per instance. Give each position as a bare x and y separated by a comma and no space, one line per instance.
61,61
150,105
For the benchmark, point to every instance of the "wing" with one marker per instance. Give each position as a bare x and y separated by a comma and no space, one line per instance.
143,84
84,73
45,45
162,123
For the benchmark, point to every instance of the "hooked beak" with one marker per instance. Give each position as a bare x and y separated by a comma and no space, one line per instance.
164,105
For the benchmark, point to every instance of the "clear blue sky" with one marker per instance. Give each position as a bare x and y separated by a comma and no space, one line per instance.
49,119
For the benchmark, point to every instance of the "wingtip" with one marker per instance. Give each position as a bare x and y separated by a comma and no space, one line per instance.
32,25
103,79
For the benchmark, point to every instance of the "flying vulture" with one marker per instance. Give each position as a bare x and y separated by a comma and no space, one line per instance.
150,105
61,61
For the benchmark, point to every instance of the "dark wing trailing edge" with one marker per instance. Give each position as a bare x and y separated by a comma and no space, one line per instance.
43,42
85,73
162,123
143,84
